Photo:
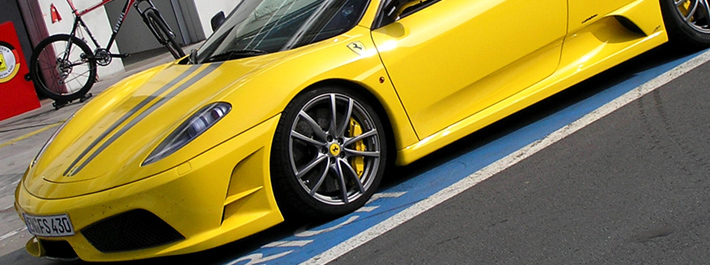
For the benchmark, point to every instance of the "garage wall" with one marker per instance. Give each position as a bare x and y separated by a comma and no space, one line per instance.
191,27
11,12
134,35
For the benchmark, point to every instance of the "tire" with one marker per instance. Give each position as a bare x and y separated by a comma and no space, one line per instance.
163,33
694,32
315,155
61,76
174,48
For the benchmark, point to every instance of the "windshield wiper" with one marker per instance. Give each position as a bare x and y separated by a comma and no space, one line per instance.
234,54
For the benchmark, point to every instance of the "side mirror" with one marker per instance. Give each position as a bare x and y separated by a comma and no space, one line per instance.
218,20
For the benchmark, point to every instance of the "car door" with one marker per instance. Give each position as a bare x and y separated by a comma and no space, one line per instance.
450,59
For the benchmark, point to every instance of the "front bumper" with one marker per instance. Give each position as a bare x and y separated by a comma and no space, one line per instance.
215,198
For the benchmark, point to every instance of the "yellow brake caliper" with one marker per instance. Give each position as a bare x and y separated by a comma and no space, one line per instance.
358,163
685,9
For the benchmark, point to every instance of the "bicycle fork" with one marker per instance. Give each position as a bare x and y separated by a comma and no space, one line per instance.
146,15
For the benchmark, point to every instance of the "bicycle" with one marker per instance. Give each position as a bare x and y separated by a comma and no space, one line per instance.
69,74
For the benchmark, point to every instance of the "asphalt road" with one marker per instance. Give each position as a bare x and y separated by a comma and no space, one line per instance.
630,188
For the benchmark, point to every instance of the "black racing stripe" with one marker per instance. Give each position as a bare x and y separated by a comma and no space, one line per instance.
133,111
142,116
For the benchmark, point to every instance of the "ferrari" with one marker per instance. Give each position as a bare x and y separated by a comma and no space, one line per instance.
296,109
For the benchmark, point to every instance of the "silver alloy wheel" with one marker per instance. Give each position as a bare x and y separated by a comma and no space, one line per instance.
695,13
334,149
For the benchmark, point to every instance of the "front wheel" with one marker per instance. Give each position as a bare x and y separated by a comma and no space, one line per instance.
163,33
687,21
63,68
329,154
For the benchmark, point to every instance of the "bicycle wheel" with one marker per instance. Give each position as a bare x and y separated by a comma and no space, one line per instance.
63,68
163,33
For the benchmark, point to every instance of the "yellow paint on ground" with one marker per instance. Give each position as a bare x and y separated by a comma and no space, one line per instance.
13,141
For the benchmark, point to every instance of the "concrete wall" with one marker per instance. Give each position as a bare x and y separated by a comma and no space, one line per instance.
186,11
134,35
11,13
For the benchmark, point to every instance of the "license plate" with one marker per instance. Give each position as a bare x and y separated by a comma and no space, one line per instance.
49,226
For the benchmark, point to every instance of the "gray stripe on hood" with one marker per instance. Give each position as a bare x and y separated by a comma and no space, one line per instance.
74,170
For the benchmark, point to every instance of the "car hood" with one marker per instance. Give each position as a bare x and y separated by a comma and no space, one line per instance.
104,144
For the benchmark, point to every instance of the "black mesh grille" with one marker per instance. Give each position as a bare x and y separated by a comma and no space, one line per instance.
134,230
58,250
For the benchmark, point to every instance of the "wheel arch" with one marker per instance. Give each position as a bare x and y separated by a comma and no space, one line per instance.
375,102
291,200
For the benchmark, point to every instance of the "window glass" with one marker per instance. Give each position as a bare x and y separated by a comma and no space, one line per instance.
266,26
398,9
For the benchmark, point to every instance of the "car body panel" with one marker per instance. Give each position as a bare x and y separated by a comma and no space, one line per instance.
213,176
134,137
586,52
448,58
431,87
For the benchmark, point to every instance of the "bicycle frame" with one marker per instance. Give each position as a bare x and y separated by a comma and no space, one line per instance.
80,22
61,65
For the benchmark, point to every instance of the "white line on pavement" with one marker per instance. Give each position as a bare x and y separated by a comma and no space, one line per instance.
285,244
12,233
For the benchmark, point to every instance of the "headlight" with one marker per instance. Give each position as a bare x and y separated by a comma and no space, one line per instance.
54,135
189,130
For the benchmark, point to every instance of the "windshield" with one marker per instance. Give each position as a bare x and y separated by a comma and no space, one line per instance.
264,26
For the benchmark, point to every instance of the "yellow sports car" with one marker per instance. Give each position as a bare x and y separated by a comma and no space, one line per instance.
295,108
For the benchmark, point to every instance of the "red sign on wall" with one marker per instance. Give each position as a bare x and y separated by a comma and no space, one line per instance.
17,95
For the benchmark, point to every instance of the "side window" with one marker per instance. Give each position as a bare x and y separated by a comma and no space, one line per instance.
393,10
412,6
345,18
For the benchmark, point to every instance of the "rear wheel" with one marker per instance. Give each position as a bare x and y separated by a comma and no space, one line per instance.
687,21
329,154
63,68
